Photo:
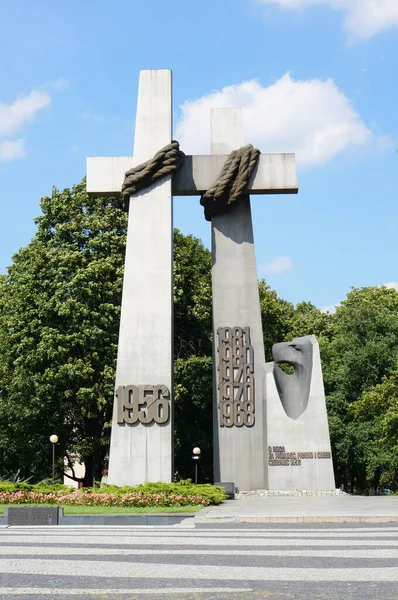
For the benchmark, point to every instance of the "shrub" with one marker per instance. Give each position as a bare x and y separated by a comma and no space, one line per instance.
148,494
213,493
6,486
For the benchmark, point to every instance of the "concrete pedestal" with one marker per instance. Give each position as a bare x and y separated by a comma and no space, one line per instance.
299,453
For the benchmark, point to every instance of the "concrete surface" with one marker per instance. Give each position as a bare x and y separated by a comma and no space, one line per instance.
153,519
272,509
142,452
275,174
308,434
303,562
32,515
303,509
239,452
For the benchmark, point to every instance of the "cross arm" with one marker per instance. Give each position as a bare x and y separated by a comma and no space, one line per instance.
274,174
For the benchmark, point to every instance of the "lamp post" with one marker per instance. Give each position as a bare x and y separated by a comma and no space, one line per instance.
196,457
53,440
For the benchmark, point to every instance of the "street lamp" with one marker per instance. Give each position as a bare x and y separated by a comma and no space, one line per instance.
53,440
196,457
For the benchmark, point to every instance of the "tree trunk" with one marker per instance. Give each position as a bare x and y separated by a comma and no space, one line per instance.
88,475
94,466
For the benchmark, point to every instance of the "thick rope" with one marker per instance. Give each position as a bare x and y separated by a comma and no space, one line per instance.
166,161
232,182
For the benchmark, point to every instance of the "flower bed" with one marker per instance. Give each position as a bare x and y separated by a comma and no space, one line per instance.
92,498
150,494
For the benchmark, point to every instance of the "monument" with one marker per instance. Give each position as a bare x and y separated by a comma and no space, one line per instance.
240,447
299,454
142,439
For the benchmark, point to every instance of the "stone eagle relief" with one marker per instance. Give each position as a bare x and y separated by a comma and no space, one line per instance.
294,389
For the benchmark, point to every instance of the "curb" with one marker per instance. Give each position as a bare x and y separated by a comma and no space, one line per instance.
296,519
121,520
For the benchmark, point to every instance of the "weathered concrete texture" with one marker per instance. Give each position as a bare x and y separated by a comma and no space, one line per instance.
32,515
142,452
307,435
239,452
275,174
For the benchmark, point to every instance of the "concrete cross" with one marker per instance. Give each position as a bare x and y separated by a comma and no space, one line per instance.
274,174
239,436
142,451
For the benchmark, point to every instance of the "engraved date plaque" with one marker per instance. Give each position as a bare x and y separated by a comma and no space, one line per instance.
236,401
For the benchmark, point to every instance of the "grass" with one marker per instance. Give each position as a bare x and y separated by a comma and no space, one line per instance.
115,510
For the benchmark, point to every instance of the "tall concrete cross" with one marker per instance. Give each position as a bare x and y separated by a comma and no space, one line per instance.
142,428
239,402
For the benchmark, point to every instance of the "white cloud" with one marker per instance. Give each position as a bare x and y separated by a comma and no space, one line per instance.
11,149
330,309
13,116
279,265
391,284
362,18
312,118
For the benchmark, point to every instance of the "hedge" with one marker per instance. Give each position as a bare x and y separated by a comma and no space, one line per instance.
149,494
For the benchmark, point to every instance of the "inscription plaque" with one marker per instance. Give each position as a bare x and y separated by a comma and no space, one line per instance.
278,457
236,400
143,403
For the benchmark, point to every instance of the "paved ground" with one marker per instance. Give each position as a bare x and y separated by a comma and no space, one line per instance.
304,509
280,562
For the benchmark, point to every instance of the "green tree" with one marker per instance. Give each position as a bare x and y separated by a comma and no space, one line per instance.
192,297
362,347
60,315
193,395
59,320
307,319
276,316
377,409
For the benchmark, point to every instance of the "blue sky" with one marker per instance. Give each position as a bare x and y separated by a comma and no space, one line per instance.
316,77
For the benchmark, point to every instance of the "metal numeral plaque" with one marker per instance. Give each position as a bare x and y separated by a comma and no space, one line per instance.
143,403
236,377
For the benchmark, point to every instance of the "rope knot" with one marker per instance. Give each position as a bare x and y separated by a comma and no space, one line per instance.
166,161
232,182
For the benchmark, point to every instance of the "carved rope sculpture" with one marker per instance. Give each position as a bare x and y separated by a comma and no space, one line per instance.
231,184
167,160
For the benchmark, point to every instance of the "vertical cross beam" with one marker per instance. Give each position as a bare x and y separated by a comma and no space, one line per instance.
239,444
142,426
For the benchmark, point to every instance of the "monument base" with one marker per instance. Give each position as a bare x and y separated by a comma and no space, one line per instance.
299,453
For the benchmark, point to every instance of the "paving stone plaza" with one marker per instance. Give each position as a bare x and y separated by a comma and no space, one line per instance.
281,562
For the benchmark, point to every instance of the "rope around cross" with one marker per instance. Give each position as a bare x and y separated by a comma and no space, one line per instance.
231,184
